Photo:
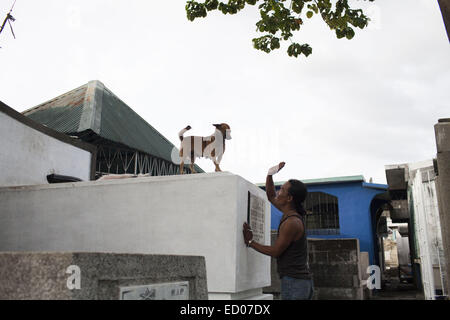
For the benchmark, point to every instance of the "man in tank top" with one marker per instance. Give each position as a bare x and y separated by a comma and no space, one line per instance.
291,247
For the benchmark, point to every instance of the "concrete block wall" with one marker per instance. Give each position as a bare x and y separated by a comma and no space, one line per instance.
337,266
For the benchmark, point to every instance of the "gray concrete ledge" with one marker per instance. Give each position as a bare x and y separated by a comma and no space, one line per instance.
43,275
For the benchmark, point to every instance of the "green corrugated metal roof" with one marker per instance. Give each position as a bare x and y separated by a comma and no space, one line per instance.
62,113
322,180
94,107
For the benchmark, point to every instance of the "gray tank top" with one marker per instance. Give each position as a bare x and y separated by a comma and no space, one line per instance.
293,262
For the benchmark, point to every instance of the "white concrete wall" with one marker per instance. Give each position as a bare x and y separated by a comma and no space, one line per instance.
27,156
426,223
200,214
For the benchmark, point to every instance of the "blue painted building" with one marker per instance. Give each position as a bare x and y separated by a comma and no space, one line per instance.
342,207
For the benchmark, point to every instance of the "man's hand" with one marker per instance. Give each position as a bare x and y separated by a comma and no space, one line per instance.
248,234
270,187
276,169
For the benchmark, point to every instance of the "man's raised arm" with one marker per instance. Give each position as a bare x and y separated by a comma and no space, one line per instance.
270,187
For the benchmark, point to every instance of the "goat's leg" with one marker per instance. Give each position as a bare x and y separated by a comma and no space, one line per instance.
192,166
182,167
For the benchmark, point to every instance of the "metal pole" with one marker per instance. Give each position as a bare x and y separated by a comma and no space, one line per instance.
135,162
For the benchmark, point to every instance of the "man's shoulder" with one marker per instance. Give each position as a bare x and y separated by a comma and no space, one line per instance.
293,220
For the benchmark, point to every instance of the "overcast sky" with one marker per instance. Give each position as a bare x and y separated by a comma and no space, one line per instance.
350,108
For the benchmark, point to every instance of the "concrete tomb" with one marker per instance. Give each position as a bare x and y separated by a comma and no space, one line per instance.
199,214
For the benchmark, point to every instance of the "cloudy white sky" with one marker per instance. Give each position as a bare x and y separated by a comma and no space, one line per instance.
350,108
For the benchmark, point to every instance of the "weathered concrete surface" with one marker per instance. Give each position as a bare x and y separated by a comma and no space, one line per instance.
364,264
37,275
335,264
442,133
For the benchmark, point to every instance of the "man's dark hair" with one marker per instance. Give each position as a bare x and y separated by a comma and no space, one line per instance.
298,191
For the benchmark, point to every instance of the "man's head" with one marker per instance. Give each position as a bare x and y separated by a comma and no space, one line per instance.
297,190
293,193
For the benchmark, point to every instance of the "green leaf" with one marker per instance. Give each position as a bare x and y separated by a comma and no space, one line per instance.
306,49
275,43
340,34
297,6
279,19
211,4
349,33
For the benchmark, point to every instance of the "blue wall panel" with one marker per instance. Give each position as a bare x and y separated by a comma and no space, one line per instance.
355,219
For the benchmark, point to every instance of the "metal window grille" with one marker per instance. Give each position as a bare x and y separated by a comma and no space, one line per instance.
322,213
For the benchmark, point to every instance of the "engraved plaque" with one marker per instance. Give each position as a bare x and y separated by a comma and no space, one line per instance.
256,217
156,291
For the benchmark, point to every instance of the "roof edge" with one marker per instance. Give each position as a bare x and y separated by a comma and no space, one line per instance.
375,186
331,180
92,107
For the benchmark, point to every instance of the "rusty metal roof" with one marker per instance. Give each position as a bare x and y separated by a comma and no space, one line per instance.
92,107
62,113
